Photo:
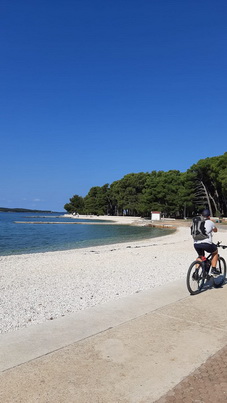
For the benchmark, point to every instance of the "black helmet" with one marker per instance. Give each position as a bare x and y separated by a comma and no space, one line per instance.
206,213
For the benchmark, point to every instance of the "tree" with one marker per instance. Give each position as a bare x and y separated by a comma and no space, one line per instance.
211,184
126,193
97,200
76,205
174,193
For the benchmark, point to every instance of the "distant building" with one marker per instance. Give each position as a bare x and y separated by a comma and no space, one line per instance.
155,215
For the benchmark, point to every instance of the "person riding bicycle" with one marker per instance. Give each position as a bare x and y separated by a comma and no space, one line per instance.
207,244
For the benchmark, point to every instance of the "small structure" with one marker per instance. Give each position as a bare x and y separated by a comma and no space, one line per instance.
155,215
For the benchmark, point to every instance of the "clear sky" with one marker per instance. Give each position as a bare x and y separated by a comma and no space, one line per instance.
91,90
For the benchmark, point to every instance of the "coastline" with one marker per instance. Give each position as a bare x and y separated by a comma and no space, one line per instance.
124,220
28,234
43,286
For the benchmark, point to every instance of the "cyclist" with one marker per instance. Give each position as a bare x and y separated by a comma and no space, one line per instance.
207,244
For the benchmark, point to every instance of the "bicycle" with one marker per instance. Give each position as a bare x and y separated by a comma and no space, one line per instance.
198,273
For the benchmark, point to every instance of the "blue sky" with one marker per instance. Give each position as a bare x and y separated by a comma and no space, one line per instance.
94,90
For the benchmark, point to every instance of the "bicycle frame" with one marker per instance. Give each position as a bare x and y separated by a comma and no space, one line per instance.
198,273
209,257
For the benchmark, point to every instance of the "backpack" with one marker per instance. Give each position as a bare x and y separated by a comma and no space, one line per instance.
198,230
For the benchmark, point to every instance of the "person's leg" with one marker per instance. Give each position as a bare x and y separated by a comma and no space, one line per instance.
214,259
209,248
200,251
212,248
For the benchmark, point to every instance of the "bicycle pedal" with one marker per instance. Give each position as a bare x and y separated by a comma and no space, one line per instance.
195,275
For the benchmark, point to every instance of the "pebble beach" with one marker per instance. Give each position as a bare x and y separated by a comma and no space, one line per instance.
43,286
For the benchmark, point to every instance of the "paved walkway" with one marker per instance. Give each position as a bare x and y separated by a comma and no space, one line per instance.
156,346
207,384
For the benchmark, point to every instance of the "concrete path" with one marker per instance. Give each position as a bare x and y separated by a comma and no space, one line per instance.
133,350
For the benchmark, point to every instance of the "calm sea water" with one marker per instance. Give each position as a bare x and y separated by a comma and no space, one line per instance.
32,238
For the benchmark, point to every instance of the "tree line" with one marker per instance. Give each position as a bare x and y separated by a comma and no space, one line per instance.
174,193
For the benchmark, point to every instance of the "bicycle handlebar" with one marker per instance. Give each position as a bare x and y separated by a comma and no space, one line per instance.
221,246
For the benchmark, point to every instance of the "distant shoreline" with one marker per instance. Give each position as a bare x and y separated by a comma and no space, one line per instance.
22,210
131,220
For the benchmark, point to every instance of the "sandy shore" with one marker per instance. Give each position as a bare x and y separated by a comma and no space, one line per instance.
126,220
111,219
44,286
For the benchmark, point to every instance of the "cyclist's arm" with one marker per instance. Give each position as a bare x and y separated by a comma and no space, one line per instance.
214,229
210,227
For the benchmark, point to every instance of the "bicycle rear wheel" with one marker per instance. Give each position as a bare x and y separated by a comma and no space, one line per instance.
221,266
195,278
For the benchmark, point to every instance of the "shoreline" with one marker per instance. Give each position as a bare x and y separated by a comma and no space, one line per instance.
43,243
125,220
89,243
84,242
43,286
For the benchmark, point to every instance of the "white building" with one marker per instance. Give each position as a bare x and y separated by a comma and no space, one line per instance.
155,215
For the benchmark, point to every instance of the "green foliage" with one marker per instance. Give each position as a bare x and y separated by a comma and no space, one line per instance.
126,193
76,205
97,200
174,193
211,180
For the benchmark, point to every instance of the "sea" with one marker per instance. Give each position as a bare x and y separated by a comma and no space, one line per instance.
23,233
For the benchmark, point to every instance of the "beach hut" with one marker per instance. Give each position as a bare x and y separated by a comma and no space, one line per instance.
155,215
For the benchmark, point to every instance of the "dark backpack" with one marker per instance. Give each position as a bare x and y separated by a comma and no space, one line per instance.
198,230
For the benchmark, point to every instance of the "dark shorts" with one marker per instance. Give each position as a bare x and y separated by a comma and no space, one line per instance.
201,248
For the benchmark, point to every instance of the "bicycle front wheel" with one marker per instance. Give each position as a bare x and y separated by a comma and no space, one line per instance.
219,279
195,278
